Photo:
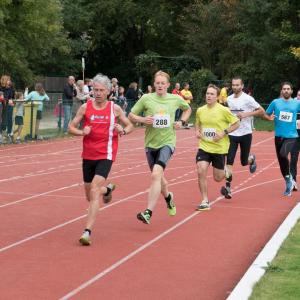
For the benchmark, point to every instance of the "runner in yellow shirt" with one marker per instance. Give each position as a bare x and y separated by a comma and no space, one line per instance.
213,124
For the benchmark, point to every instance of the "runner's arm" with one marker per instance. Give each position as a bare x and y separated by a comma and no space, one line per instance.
127,125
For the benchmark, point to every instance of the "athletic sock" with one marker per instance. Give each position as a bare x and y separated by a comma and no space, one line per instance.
88,230
228,184
168,198
108,191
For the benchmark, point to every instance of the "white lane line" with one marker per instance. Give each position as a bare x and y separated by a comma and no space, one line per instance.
66,223
146,245
243,289
38,195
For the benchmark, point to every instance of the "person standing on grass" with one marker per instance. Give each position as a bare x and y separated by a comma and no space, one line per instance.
245,108
295,150
100,144
213,124
283,111
160,138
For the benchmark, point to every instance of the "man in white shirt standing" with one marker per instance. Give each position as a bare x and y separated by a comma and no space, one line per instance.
244,107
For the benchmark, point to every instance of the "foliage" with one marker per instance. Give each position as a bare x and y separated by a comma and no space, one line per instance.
32,39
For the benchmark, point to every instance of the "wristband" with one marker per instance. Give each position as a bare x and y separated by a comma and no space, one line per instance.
226,131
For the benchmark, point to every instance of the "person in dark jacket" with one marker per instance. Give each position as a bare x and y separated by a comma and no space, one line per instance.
68,94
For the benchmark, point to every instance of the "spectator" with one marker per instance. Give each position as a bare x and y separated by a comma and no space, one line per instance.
68,94
121,98
149,89
131,96
2,101
7,112
19,115
176,91
40,96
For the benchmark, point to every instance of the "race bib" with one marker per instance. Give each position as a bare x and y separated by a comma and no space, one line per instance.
161,121
286,116
209,133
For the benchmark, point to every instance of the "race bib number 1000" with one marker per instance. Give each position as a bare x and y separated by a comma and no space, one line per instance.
286,116
161,121
209,133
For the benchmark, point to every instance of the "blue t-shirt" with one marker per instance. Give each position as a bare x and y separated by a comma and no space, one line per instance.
285,112
35,96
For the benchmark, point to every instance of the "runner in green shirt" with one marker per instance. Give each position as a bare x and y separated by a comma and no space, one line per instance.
160,138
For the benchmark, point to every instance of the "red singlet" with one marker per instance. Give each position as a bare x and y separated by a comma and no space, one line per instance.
102,142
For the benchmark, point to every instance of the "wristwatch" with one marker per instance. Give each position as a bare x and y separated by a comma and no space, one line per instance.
226,131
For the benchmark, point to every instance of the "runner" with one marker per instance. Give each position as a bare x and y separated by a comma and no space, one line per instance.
213,124
100,144
295,150
160,138
245,108
284,112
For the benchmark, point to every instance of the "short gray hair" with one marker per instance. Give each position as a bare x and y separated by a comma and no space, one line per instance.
102,79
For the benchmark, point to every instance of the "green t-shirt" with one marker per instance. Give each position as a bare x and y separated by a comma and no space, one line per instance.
161,132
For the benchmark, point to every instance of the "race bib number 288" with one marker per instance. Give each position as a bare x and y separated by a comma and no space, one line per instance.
285,116
161,121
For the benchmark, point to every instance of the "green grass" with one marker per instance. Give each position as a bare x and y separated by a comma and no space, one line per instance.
282,277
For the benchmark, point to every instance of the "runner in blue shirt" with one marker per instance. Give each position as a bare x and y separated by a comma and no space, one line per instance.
284,113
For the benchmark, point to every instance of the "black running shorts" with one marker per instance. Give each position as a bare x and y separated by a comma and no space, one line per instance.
90,168
217,160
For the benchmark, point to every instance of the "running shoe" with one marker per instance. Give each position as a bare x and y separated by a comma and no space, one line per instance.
85,239
252,163
228,174
295,186
226,192
203,206
289,186
144,216
107,198
171,206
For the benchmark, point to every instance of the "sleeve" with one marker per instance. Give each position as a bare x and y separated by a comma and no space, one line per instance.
270,108
138,107
28,97
197,121
253,104
47,97
230,117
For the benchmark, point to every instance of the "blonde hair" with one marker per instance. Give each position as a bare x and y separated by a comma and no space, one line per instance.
18,95
162,73
213,86
4,79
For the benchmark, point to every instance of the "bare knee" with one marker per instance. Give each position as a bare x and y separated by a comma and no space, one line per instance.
218,177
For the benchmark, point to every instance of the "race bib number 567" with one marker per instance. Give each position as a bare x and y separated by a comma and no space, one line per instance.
161,121
286,116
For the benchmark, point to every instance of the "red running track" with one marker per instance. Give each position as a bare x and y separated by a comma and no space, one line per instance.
190,256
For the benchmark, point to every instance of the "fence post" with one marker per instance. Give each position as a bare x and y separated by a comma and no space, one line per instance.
31,119
59,112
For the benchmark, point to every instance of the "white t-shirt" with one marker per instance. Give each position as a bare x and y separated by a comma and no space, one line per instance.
244,103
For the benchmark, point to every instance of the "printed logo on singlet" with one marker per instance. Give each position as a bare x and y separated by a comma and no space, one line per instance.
99,119
286,116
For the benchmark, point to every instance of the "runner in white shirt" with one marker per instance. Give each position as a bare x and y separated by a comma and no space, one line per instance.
244,107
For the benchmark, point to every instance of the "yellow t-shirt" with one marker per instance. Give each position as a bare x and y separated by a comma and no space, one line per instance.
211,120
223,96
186,93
